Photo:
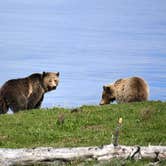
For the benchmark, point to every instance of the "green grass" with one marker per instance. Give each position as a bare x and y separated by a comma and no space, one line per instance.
143,123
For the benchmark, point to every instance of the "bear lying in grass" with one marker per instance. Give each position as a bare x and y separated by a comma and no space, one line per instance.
27,93
125,90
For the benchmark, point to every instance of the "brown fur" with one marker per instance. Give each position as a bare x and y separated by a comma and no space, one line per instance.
125,90
27,93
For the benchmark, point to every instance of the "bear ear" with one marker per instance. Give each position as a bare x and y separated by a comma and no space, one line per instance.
43,74
57,74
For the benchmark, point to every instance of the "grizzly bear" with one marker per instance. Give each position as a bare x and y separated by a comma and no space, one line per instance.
27,93
125,90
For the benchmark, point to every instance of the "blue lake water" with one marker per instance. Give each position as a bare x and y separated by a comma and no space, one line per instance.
91,43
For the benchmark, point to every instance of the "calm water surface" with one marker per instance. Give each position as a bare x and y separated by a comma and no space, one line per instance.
91,43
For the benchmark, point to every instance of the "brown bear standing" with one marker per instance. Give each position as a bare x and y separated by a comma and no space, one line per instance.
27,93
125,90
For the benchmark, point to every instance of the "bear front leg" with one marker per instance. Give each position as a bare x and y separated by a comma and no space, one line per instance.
38,105
35,101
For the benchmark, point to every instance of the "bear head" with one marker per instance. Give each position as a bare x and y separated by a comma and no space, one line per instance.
50,80
108,94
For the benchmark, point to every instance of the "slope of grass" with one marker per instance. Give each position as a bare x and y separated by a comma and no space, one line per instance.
143,123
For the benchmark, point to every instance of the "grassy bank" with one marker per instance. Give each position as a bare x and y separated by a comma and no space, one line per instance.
143,124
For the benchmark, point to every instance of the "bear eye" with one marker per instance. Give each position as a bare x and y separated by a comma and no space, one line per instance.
103,95
50,80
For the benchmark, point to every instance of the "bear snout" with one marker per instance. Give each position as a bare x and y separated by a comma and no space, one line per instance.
50,88
54,87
